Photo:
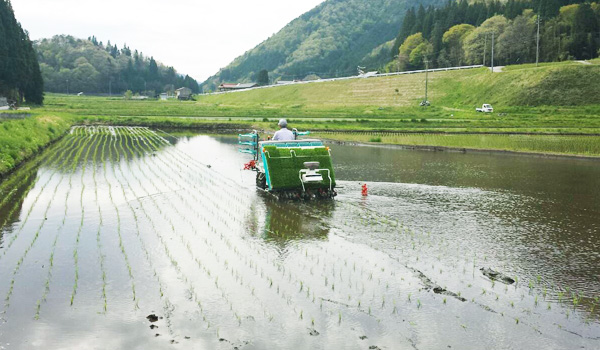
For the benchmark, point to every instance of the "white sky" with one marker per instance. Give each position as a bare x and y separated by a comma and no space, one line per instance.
196,37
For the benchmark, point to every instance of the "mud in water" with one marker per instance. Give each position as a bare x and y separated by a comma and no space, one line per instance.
129,236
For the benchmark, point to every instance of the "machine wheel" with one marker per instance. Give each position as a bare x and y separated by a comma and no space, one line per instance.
261,180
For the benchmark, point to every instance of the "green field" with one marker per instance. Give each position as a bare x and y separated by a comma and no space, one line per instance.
552,99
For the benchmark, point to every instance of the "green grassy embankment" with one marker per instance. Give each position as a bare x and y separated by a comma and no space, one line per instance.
552,98
22,138
549,100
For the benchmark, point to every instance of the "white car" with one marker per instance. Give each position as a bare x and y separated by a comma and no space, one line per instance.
485,109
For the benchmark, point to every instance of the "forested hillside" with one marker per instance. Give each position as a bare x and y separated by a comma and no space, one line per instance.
72,65
20,78
463,33
332,39
395,35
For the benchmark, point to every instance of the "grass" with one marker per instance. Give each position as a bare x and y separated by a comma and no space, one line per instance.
22,138
554,98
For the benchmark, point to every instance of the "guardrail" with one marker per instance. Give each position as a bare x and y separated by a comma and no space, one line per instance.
351,77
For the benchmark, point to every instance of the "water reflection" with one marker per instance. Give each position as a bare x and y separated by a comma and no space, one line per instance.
294,221
537,216
14,192
184,234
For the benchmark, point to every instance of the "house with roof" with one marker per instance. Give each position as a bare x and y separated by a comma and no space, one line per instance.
183,93
238,86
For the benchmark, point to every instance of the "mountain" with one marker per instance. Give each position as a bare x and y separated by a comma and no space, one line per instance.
331,39
70,64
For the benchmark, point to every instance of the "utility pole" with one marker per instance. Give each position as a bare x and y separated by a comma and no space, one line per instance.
537,51
493,33
110,87
67,86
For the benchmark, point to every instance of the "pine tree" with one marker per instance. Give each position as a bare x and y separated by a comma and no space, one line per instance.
409,21
263,77
20,76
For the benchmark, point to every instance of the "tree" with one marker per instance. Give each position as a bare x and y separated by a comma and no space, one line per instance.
479,41
190,83
585,32
20,75
453,40
263,78
420,54
97,69
410,18
518,42
406,49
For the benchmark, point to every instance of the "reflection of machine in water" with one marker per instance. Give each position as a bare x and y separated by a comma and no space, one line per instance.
290,221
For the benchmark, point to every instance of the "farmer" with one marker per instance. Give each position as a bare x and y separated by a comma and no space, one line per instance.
283,134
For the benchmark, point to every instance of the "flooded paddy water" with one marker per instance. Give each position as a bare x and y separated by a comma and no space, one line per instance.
130,238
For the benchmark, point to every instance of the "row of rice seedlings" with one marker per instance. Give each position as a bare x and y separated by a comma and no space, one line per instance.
187,205
112,147
174,263
31,244
340,275
271,281
233,189
9,186
149,260
52,159
429,244
161,285
342,265
485,292
201,173
28,249
17,204
101,257
13,188
536,288
167,218
55,242
176,266
254,269
16,235
301,282
90,145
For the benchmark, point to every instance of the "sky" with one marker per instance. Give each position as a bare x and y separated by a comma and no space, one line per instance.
196,37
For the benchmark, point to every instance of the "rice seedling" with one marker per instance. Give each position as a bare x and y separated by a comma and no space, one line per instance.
24,222
80,229
28,249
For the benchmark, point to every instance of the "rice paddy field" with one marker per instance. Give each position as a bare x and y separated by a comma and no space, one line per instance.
133,238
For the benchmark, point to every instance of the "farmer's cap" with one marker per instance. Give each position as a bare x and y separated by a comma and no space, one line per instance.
282,123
